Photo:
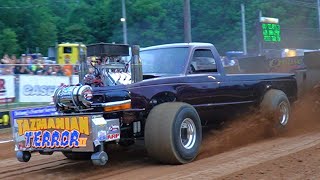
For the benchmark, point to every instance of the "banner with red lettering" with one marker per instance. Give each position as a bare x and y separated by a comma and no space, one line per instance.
7,89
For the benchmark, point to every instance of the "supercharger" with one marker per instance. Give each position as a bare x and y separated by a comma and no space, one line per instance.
73,97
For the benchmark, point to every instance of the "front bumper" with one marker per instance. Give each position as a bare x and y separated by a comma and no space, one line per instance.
74,132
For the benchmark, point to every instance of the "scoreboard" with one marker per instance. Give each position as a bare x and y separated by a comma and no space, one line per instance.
271,32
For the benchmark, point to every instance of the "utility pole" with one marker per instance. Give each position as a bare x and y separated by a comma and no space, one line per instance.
318,5
187,21
124,22
244,37
260,39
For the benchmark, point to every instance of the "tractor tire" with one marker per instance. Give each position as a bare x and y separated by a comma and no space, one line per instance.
173,133
276,107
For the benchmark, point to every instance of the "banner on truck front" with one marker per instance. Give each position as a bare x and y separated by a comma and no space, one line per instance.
7,89
39,88
33,111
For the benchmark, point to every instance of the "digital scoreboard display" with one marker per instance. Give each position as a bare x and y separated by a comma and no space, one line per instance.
271,32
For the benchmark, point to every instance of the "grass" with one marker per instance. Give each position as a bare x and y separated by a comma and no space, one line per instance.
10,106
5,130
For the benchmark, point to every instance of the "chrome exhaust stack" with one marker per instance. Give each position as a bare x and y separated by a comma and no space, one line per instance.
136,64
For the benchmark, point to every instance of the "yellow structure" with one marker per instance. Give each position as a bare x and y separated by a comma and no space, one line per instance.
70,51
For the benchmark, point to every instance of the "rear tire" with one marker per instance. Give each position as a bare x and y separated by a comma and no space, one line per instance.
276,107
173,133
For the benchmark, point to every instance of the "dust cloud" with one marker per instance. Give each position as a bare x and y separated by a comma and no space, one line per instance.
251,128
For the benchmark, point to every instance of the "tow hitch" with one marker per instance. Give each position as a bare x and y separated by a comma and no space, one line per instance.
100,158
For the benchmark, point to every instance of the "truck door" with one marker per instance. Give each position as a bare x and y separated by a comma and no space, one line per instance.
202,80
210,91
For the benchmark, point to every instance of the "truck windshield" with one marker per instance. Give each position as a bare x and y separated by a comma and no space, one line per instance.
164,60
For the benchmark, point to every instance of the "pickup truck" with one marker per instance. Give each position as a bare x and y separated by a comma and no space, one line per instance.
180,88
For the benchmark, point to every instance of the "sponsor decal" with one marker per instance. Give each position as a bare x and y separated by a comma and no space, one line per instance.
113,136
113,128
54,132
87,94
286,64
102,135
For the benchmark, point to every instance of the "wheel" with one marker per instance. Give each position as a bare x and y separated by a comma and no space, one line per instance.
77,155
99,158
173,133
276,106
23,156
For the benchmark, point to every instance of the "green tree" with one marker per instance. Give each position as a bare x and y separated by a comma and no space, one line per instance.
77,32
41,23
8,41
46,36
146,22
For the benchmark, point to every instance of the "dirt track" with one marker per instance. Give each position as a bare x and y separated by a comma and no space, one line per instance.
243,149
294,157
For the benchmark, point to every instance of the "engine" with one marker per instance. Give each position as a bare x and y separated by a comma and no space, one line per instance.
73,98
106,67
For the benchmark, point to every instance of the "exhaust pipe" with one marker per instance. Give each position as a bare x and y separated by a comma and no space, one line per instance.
136,64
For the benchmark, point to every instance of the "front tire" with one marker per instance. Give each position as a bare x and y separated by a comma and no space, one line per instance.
173,133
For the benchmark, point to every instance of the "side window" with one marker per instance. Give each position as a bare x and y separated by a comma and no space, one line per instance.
67,50
203,61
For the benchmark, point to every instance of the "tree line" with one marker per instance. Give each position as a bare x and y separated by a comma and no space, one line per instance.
39,24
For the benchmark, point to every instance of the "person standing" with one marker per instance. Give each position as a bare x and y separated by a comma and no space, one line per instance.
67,68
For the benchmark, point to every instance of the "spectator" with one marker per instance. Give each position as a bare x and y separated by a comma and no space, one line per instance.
76,67
23,59
40,68
6,68
31,64
15,62
49,70
24,70
57,71
17,67
67,68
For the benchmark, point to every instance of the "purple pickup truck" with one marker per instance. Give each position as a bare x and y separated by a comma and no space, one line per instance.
163,94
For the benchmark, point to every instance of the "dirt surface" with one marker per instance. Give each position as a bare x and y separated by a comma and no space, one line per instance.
300,165
246,148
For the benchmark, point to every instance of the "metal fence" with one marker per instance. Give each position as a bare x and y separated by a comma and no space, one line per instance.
33,83
39,69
